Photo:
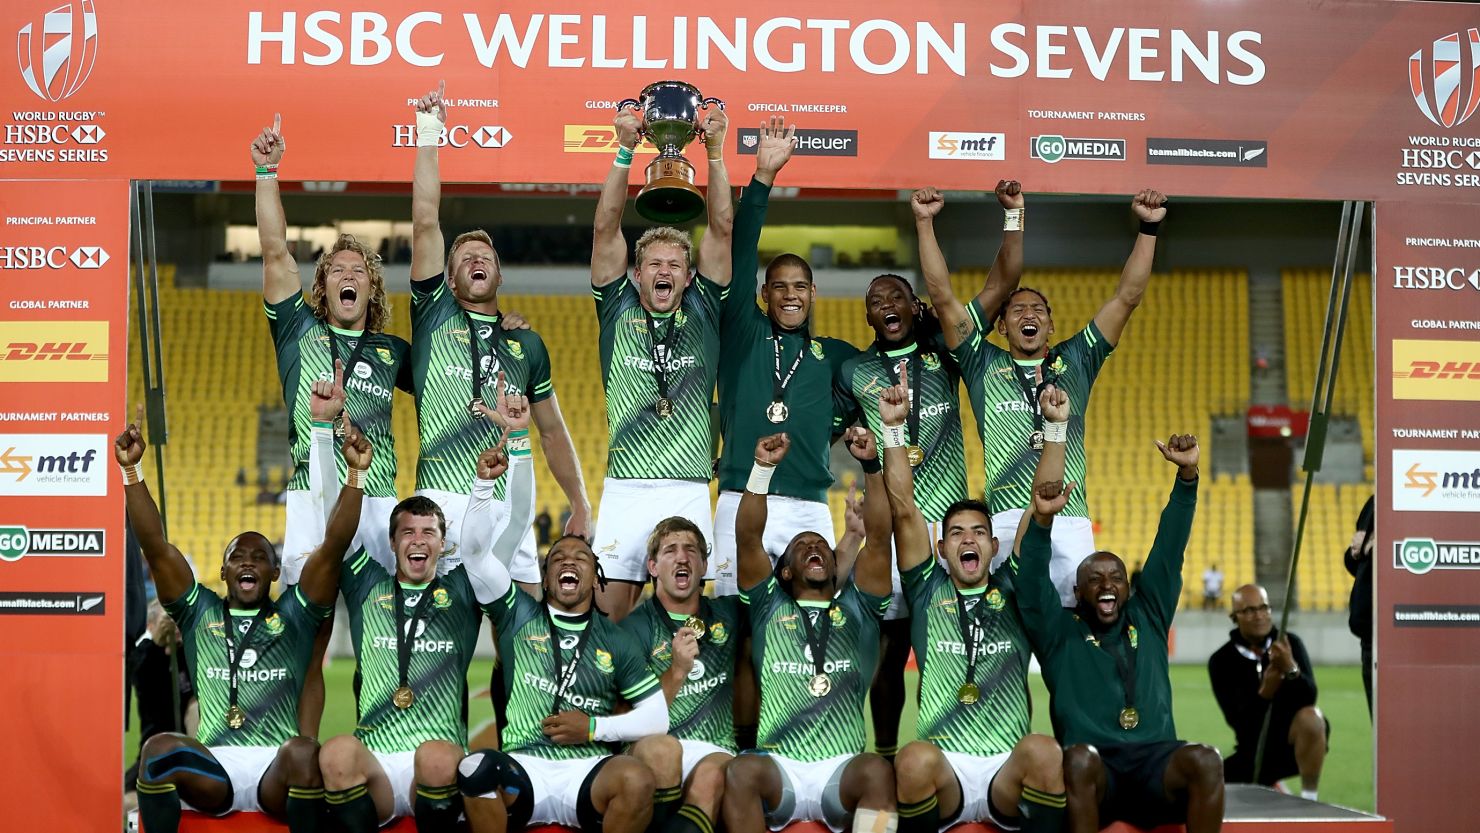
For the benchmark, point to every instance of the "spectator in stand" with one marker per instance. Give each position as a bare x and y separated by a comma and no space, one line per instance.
1257,670
1359,619
1212,588
542,524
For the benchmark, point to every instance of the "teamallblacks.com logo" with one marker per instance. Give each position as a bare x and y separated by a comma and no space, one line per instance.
1446,81
56,53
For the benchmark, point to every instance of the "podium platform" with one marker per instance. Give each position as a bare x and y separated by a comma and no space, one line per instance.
1246,809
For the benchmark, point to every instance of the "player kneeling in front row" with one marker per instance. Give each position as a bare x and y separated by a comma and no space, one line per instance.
414,634
564,668
692,644
815,644
249,655
1111,701
975,760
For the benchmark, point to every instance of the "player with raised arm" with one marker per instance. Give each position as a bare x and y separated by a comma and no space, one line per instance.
1004,384
815,642
414,634
1105,660
974,759
692,645
775,374
249,655
907,335
459,346
659,355
565,669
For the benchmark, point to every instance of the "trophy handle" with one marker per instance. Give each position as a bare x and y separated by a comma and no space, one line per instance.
628,102
711,100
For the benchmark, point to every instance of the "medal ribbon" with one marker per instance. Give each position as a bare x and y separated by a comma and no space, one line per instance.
817,643
354,353
778,383
405,630
969,622
233,656
660,357
565,675
1125,664
912,422
478,380
1030,391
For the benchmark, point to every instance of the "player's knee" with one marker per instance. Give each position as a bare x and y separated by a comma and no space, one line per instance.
157,756
435,762
1042,759
663,755
489,773
706,785
339,761
743,775
876,774
915,767
633,779
302,758
1309,720
1205,765
1082,765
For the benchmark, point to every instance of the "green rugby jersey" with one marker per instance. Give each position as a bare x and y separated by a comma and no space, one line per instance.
793,722
996,722
941,479
747,373
704,708
270,675
610,670
440,653
1005,418
442,377
641,444
1085,690
303,344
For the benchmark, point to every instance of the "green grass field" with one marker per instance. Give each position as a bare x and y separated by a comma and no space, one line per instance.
1347,779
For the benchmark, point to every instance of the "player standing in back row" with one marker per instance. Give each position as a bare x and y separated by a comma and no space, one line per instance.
659,357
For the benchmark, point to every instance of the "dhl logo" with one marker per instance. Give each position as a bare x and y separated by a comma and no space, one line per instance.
1436,370
54,351
596,138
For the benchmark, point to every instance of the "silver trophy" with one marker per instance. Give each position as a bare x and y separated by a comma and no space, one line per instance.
670,120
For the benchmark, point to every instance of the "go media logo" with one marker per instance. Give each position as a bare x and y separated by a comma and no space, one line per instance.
53,465
1436,480
57,51
1420,555
17,542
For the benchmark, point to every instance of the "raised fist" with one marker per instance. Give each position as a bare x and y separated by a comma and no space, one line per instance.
861,443
629,127
1053,403
1050,497
685,650
713,127
268,147
1010,193
770,451
927,202
492,463
357,450
777,141
1181,449
1149,206
326,398
128,449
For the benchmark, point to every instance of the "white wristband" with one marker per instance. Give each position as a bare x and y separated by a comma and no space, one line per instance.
1056,432
1012,219
760,479
483,489
428,130
894,436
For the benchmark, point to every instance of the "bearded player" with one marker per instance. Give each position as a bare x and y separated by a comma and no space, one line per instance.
459,346
1111,701
692,645
249,655
907,336
1004,384
659,355
565,669
815,642
775,374
974,759
414,634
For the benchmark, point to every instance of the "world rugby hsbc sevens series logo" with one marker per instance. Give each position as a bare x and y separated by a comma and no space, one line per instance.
57,52
1445,79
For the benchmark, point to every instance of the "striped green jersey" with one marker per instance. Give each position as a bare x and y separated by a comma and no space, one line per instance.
609,671
441,648
303,344
999,718
641,444
1005,417
941,479
270,674
442,377
793,722
704,708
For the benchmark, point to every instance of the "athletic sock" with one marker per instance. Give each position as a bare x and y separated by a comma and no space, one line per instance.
665,803
1308,795
436,808
745,737
305,808
920,816
886,752
689,819
1042,812
353,808
159,807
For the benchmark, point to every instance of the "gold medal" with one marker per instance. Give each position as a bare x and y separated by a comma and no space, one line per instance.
664,407
916,454
403,697
235,718
777,412
695,624
473,405
339,425
968,694
1129,718
1035,440
819,685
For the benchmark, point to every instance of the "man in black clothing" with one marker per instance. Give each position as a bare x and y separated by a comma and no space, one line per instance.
1259,669
1358,558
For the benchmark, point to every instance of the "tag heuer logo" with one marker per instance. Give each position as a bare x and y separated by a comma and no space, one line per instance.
1052,149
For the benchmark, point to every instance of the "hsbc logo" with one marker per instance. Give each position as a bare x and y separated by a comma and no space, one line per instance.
1445,78
52,257
56,52
457,135
53,134
1435,277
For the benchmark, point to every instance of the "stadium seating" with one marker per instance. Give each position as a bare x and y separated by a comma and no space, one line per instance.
1322,580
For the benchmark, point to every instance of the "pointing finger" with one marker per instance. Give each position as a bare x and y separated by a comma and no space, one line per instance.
277,123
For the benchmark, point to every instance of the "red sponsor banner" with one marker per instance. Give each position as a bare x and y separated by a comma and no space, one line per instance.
1277,421
1427,556
63,363
1365,99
